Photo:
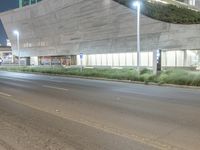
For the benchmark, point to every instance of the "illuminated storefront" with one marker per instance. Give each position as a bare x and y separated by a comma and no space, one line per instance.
176,58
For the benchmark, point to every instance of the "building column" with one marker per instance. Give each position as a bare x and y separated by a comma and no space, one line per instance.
185,58
155,61
199,57
175,58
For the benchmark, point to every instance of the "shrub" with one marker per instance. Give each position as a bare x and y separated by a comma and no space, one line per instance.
181,77
172,76
167,13
145,70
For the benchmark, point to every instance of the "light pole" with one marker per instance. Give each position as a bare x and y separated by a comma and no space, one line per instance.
17,35
137,4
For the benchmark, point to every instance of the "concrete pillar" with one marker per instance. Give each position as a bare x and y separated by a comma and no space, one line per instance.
13,58
199,58
133,59
148,59
175,58
166,59
51,60
28,61
185,58
101,59
112,60
87,60
119,60
155,61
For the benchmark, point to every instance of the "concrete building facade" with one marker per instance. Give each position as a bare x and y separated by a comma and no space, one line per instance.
56,32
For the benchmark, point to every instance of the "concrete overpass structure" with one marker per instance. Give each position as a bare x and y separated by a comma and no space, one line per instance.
103,30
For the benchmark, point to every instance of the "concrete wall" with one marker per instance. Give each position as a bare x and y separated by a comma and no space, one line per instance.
68,27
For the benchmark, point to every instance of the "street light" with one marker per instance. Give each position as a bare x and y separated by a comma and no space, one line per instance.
137,4
16,32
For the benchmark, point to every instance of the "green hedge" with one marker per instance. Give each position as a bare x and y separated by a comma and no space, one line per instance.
167,13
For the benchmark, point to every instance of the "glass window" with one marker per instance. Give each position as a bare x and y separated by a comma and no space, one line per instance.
192,2
33,1
25,3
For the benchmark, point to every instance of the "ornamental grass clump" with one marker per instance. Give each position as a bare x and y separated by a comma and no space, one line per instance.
180,77
171,76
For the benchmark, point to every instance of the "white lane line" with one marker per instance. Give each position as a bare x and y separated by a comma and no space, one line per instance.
16,79
5,94
57,88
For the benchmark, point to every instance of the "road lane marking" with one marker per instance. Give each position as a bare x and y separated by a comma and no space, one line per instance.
5,146
16,79
5,94
56,88
108,129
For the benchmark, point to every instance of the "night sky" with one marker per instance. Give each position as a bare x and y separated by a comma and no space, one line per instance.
6,5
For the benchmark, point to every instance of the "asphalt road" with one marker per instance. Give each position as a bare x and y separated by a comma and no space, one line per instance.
39,112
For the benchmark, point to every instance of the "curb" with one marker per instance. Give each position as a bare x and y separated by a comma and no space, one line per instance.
135,82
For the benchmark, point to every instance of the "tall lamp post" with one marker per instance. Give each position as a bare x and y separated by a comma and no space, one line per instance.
137,4
17,35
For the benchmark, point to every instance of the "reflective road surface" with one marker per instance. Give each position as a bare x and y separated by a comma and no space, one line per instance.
40,112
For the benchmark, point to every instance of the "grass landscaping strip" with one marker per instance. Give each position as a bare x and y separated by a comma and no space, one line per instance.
165,12
172,76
